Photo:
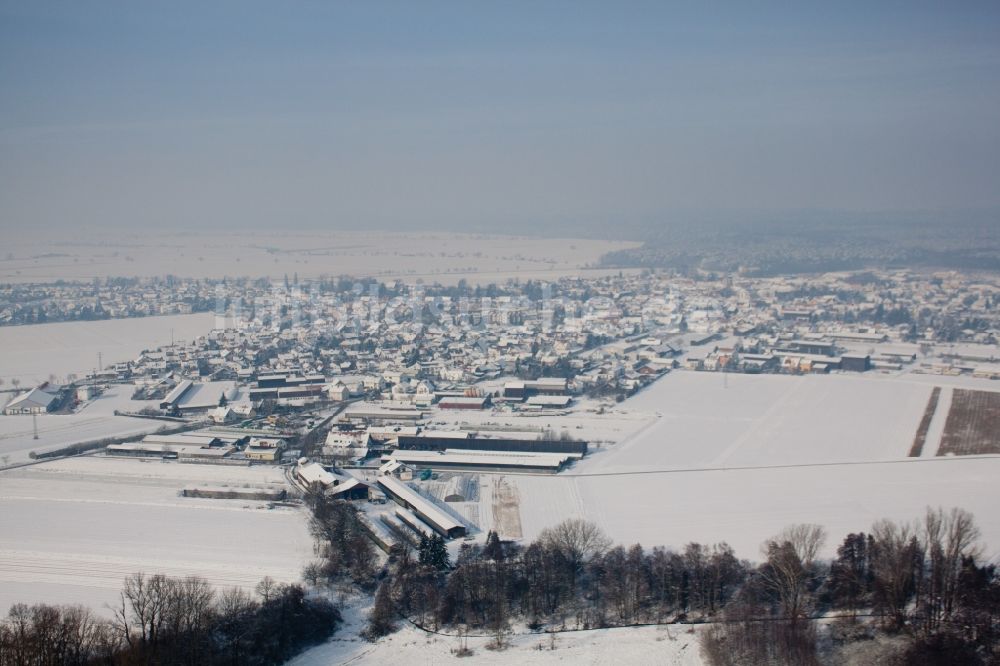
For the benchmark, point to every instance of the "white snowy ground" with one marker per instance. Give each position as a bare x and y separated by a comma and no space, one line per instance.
677,646
96,420
71,530
32,353
737,459
714,420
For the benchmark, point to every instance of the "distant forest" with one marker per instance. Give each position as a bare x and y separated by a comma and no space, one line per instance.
813,246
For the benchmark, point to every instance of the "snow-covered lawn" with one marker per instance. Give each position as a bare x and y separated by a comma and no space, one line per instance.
32,353
71,530
96,420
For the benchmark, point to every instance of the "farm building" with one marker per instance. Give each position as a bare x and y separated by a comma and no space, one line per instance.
464,402
314,475
189,396
375,413
396,469
483,461
409,519
35,401
173,398
426,510
519,390
198,451
855,362
264,450
549,401
409,442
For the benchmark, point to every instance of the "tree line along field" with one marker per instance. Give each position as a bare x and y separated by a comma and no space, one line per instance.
925,423
973,424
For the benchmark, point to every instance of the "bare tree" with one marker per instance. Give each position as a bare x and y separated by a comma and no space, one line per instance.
267,588
892,561
577,540
789,567
947,539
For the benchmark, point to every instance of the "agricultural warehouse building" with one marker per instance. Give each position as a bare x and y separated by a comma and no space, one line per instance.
410,519
464,402
544,386
35,401
426,510
851,336
549,401
371,412
197,438
174,397
855,363
813,347
189,396
483,461
193,452
411,443
285,381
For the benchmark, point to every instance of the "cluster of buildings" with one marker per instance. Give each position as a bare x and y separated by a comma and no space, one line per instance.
219,445
114,298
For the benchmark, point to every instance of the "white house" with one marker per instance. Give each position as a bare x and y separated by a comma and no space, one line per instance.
338,391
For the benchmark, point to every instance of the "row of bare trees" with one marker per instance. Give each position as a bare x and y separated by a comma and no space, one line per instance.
571,575
920,580
164,620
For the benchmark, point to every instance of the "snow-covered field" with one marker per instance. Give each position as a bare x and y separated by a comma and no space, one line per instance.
710,420
33,353
441,257
737,459
71,530
96,420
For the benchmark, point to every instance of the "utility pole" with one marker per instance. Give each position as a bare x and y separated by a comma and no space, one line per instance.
100,365
34,423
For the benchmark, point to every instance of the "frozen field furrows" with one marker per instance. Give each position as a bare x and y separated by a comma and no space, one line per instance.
936,429
71,530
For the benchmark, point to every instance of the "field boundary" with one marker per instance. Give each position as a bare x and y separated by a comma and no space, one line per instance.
925,424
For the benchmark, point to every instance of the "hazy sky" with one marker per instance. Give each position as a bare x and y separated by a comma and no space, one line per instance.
519,115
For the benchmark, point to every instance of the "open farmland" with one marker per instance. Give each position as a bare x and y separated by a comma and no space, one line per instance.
973,425
739,460
440,257
95,421
32,353
705,420
71,530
